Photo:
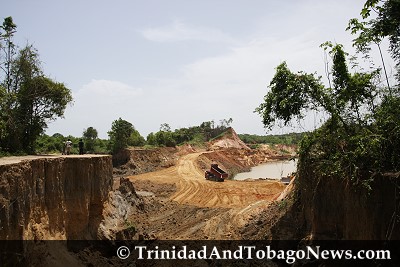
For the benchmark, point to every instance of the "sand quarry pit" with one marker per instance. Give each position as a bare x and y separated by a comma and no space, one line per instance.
194,189
182,204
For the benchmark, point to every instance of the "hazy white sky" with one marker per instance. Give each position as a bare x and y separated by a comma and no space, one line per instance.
180,62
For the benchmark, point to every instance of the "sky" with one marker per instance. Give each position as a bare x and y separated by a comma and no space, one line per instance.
180,62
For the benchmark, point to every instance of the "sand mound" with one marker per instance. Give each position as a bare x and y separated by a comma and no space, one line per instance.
228,139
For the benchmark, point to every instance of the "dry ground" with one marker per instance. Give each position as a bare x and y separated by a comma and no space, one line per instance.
181,204
17,159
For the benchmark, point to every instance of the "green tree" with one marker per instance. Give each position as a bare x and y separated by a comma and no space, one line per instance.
372,29
165,127
50,144
151,139
350,100
348,144
89,137
290,95
28,99
7,30
163,138
136,139
8,49
120,133
40,100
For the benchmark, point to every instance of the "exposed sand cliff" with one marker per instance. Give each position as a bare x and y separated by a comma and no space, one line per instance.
53,197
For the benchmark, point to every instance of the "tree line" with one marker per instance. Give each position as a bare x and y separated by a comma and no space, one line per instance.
123,134
29,100
273,139
193,135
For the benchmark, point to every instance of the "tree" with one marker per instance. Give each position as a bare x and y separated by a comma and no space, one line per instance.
386,23
165,127
28,99
42,100
136,139
90,136
151,139
290,95
120,133
8,49
164,138
350,100
359,140
7,31
210,130
39,99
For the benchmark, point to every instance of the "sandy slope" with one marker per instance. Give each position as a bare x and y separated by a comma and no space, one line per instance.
187,206
194,189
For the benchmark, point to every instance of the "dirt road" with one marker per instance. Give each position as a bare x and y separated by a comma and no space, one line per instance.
194,189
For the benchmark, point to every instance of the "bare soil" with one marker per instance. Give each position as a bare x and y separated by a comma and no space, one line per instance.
17,159
179,203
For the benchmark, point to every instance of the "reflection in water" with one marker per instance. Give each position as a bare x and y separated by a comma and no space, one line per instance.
273,170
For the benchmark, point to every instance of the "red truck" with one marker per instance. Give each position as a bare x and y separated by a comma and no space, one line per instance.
215,174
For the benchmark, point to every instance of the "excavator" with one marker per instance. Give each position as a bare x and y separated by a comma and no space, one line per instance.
215,174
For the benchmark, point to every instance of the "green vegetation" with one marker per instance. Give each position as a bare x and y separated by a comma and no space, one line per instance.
28,99
136,139
122,134
361,137
286,139
54,144
89,138
195,135
130,227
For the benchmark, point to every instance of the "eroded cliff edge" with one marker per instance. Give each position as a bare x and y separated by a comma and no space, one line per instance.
53,197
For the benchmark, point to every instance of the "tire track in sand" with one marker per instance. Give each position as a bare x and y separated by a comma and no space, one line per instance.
194,189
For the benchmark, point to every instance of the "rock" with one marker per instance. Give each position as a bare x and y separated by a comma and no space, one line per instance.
53,197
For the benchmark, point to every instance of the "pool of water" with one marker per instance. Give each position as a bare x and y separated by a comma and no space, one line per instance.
272,170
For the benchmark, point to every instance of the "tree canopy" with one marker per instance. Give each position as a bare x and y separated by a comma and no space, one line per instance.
351,98
90,136
360,138
119,134
28,99
195,134
380,19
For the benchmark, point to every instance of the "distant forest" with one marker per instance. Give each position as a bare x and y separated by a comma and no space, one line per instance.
123,134
286,139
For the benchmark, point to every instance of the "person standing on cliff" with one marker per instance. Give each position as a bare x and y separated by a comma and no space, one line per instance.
68,146
80,147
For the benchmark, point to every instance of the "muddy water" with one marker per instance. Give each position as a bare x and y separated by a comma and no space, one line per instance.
272,170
